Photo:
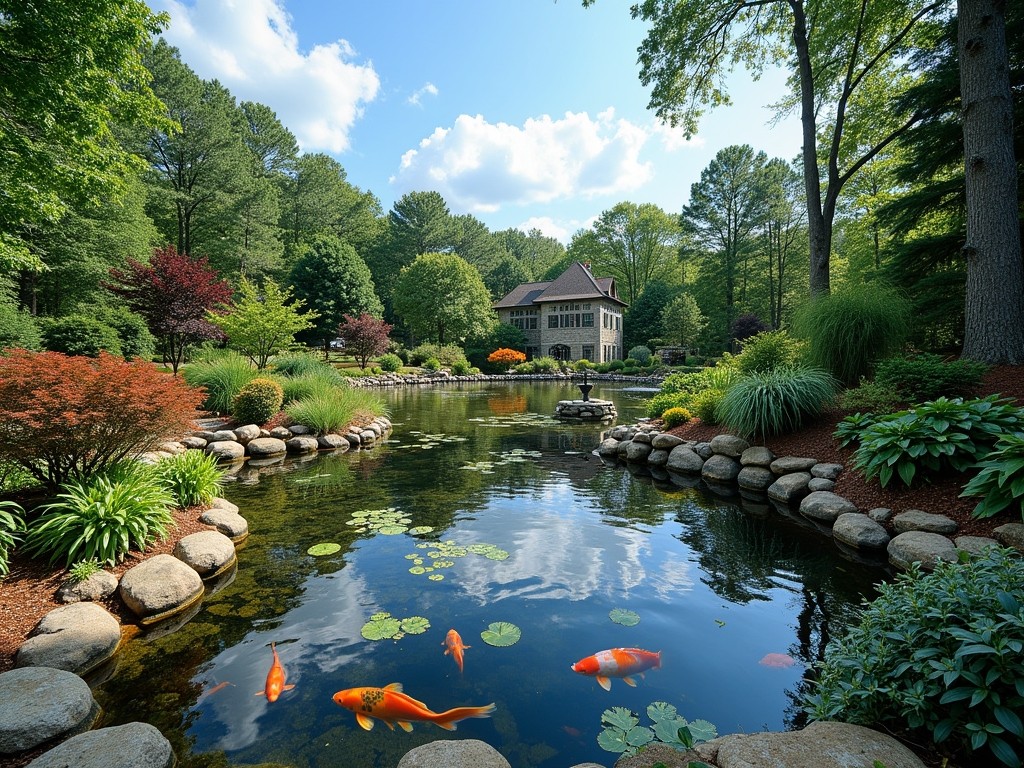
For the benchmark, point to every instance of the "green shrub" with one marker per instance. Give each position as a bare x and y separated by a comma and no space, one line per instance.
705,405
584,365
446,355
630,362
641,354
673,417
461,367
222,376
926,377
132,331
82,570
940,653
103,518
850,428
870,396
1001,479
601,367
524,368
769,350
298,364
390,362
257,402
18,328
80,335
194,478
331,409
298,387
432,364
615,365
851,328
545,364
777,401
663,401
934,438
12,526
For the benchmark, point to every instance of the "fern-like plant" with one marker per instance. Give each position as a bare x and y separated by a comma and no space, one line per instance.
194,478
777,401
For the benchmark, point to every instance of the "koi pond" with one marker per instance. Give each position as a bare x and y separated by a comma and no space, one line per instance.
480,512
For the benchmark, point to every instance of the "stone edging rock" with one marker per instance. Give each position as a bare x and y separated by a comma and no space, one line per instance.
443,377
800,489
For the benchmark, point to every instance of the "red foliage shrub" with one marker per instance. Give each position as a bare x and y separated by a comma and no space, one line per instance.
365,336
67,417
506,357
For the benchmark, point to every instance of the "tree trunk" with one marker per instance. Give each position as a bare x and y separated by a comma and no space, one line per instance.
994,325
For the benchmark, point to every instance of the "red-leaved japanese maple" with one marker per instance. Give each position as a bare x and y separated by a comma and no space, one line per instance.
365,336
173,293
67,417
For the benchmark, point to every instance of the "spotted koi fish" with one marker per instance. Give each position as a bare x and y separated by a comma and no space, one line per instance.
391,706
617,662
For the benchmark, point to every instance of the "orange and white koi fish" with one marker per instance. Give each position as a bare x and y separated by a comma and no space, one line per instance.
617,662
392,706
454,646
275,679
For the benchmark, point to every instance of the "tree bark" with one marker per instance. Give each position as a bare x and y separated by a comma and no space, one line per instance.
994,323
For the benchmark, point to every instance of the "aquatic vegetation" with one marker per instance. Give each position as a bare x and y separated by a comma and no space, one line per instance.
425,442
383,625
624,617
442,554
623,732
515,456
518,420
387,522
326,548
501,634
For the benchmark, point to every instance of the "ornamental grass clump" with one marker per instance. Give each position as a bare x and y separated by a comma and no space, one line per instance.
776,401
103,518
331,409
194,478
222,376
940,654
257,402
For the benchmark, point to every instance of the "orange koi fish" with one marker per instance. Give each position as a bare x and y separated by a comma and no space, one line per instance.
455,647
392,706
617,662
218,687
275,679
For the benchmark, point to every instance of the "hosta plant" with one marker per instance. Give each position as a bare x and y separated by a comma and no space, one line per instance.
941,654
12,526
850,428
102,518
194,478
623,733
1000,480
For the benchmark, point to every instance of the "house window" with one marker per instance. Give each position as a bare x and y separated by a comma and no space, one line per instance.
552,321
617,322
588,352
560,352
588,320
531,323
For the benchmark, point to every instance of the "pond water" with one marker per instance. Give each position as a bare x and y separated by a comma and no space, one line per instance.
716,590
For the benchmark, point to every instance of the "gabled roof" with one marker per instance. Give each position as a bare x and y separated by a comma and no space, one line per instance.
574,284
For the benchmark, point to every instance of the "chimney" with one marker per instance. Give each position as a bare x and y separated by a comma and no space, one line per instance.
586,265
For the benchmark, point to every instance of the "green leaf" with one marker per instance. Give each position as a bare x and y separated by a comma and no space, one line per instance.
668,730
638,736
501,634
327,548
624,617
619,717
612,740
415,625
702,730
1010,721
660,710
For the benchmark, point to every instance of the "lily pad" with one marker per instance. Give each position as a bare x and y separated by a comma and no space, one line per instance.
378,629
497,554
415,625
624,617
436,577
421,529
326,548
391,530
501,634
619,717
417,569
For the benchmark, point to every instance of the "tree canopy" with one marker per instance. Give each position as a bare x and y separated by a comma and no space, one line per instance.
443,298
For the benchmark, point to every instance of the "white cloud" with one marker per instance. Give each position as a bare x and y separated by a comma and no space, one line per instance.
251,48
429,89
673,139
560,229
479,166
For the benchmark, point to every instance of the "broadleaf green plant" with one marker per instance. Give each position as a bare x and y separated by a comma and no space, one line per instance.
623,733
1000,480
12,526
194,478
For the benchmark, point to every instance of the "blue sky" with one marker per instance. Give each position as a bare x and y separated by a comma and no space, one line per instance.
524,113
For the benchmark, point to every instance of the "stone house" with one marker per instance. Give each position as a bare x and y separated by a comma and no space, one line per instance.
576,316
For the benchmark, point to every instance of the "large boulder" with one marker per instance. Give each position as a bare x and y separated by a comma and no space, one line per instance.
226,450
78,638
920,547
729,445
820,745
608,447
464,753
132,745
825,506
231,524
637,451
859,531
307,444
263,447
207,552
683,458
40,704
755,477
160,587
789,488
658,457
720,469
665,441
1010,535
247,433
757,456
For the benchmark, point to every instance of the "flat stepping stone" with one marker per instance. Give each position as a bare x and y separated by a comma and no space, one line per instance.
821,484
916,520
921,547
787,464
789,487
303,444
219,503
859,531
1011,535
40,704
827,471
159,588
332,442
231,524
975,545
757,456
208,553
77,638
825,506
133,745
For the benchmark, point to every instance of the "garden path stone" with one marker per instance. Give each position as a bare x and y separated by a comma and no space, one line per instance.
299,429
219,503
41,703
880,514
825,506
789,487
231,524
757,456
665,441
921,547
263,447
819,745
226,450
755,478
827,471
193,442
975,545
132,745
222,435
97,586
788,464
281,433
860,531
683,458
916,520
729,445
303,444
206,552
720,469
1011,535
78,638
465,753
204,434
160,587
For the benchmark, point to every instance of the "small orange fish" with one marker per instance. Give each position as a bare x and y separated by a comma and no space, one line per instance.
275,679
392,706
617,662
455,647
780,660
218,687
